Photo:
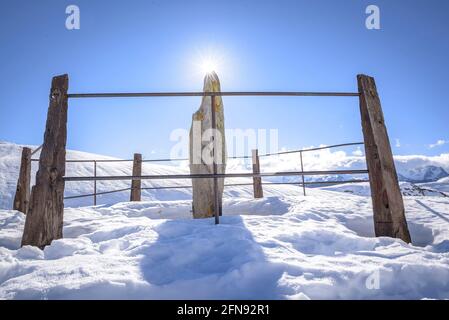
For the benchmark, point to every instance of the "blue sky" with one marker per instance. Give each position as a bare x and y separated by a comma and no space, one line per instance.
264,45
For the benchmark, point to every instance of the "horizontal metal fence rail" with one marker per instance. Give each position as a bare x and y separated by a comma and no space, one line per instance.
36,150
218,175
212,94
313,149
232,157
97,193
301,173
226,185
119,160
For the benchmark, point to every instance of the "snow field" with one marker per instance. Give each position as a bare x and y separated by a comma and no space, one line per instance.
284,246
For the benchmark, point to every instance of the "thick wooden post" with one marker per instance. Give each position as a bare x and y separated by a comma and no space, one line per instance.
136,184
22,197
44,220
388,205
257,181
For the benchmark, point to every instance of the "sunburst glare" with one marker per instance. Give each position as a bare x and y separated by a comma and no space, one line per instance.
208,62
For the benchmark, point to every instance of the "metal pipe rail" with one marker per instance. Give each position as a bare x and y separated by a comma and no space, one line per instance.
219,175
95,178
233,157
314,149
36,150
97,194
119,160
226,185
212,94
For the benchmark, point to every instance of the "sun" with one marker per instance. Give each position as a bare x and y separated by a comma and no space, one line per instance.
208,65
209,60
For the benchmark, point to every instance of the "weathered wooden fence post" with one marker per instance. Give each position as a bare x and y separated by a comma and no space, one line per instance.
22,197
388,205
136,184
257,181
44,220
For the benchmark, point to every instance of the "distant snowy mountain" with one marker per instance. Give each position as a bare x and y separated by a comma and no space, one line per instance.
423,174
415,175
416,168
407,189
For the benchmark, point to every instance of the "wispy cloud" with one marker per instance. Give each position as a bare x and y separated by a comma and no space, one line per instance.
398,143
357,152
438,143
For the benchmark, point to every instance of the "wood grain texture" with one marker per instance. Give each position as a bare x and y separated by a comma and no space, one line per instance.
136,184
388,205
257,181
44,220
22,197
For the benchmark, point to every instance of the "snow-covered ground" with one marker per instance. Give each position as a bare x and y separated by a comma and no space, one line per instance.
285,246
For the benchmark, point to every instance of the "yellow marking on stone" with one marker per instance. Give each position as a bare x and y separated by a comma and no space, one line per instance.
199,116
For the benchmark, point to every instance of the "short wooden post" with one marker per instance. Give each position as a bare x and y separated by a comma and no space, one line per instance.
136,183
388,205
44,220
22,197
257,181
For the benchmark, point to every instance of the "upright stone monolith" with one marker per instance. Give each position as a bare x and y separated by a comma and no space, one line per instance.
202,152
